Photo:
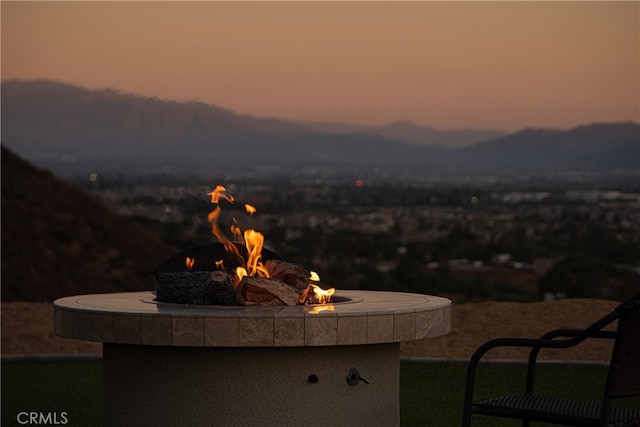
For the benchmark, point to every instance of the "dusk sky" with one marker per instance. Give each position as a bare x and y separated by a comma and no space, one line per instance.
504,65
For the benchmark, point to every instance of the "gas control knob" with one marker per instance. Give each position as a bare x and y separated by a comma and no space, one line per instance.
353,377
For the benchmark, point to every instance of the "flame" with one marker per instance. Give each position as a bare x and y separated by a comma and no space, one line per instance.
254,241
240,273
220,264
322,296
215,229
320,308
218,193
189,263
236,231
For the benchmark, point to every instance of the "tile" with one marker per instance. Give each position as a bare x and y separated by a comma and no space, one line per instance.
428,323
82,325
221,331
102,327
256,331
321,330
66,323
57,321
156,330
447,323
380,328
352,330
404,327
187,331
289,331
126,329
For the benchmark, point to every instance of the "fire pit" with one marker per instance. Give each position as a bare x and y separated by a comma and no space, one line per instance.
233,335
331,364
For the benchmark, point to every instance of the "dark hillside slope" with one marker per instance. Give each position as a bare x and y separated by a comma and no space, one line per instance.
57,241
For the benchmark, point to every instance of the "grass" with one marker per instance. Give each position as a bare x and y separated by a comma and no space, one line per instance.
430,393
73,388
433,393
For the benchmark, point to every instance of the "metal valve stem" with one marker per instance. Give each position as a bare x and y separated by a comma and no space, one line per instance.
353,377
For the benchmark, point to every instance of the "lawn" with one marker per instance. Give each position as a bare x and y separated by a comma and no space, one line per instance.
430,393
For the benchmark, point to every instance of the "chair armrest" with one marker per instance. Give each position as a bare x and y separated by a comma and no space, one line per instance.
556,333
573,332
502,342
575,336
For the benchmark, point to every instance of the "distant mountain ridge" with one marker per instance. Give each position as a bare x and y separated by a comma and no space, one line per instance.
407,131
43,119
602,145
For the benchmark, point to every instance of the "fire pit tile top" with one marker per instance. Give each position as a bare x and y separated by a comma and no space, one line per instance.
367,317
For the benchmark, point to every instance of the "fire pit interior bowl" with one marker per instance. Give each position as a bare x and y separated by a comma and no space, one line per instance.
335,299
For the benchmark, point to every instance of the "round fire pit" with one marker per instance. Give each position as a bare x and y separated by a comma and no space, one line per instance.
330,364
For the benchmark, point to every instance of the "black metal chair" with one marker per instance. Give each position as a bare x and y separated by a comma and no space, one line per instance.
623,378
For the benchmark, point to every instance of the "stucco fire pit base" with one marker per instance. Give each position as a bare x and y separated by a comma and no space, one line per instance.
168,364
199,386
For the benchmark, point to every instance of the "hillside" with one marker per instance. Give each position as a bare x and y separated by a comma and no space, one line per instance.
57,241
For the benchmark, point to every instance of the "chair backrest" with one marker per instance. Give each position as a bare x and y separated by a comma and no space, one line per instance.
624,370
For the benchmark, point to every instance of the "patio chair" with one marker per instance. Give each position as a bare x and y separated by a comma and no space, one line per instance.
623,377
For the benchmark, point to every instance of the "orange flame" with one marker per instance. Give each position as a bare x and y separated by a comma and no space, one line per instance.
189,263
218,193
240,273
320,308
215,229
236,231
253,240
322,296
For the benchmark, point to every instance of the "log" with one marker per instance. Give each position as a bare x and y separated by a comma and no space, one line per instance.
254,290
292,274
196,287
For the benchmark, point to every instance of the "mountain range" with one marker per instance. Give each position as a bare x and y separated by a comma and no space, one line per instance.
48,121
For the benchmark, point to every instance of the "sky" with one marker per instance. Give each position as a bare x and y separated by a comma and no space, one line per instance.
501,65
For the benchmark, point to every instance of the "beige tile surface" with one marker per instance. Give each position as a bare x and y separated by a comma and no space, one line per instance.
126,329
102,327
367,317
187,331
156,330
221,332
256,331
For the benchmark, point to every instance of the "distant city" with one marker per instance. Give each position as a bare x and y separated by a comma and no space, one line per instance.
524,238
